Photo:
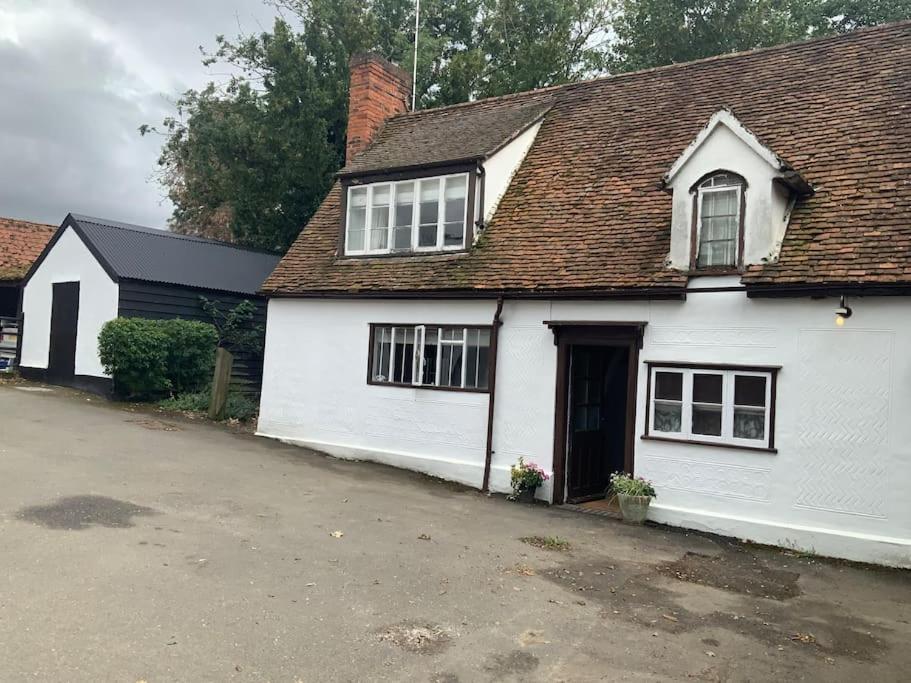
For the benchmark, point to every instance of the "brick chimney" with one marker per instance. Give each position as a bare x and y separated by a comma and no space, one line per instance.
379,89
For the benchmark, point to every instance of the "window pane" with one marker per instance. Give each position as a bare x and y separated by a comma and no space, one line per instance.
669,385
429,213
403,349
707,420
668,417
454,211
719,225
476,360
357,219
451,365
749,423
453,334
431,343
404,212
379,217
382,349
749,390
707,388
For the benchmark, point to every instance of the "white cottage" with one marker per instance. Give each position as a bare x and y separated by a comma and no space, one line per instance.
696,273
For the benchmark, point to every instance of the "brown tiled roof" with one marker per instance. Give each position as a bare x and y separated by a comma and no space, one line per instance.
585,210
434,136
21,242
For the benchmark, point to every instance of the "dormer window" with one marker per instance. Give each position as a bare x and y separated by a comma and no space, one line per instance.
717,227
419,215
719,221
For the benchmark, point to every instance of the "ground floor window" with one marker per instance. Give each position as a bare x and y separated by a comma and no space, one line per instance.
725,405
444,356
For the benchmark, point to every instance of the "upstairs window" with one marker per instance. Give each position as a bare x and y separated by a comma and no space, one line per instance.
719,221
448,357
428,214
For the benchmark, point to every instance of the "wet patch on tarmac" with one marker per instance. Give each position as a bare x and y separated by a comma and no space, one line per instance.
81,512
516,662
735,592
745,575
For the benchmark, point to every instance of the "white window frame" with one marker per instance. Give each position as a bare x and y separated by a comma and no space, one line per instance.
417,368
700,197
727,437
415,216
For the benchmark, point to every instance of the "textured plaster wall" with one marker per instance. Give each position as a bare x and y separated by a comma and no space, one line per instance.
68,261
315,389
836,485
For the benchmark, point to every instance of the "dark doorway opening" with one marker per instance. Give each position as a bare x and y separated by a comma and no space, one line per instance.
9,300
596,424
61,364
597,367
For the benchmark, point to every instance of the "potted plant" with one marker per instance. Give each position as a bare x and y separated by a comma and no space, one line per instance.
526,477
634,494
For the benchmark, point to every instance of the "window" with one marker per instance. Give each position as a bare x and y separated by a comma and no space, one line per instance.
428,214
444,356
719,221
713,405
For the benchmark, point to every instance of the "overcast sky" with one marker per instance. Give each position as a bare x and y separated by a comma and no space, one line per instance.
78,77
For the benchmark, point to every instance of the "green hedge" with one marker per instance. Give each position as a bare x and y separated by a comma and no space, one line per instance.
150,358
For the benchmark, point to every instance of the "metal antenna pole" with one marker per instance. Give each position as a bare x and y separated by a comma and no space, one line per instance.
414,72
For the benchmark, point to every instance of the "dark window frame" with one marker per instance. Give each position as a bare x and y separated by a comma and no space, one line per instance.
695,193
432,387
771,370
473,219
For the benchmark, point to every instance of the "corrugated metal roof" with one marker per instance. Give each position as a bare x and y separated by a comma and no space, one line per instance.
148,254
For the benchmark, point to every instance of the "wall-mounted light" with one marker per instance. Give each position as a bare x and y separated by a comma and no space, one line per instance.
843,312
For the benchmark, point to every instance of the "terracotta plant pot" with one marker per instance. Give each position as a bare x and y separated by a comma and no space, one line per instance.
526,496
634,508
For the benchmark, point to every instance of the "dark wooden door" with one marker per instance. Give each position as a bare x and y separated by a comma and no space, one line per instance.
61,363
596,420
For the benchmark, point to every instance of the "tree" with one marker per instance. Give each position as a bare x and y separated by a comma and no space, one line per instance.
652,33
251,159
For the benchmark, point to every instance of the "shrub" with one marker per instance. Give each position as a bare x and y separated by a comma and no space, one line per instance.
238,406
134,352
621,482
148,358
196,402
191,354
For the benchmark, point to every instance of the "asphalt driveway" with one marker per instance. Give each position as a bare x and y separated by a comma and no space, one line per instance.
136,547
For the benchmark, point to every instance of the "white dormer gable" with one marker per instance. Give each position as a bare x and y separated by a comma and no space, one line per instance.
725,182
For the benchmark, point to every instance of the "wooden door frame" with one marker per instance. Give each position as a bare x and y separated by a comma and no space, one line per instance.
577,333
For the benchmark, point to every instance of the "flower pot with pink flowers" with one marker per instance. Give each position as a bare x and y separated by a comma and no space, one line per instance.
525,478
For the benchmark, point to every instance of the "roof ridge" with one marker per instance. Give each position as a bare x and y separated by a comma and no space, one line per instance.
164,232
809,41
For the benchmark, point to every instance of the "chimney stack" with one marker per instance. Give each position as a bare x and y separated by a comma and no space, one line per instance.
379,90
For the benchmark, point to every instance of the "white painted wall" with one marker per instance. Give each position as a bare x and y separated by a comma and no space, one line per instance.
765,218
839,481
502,166
68,261
315,390
837,485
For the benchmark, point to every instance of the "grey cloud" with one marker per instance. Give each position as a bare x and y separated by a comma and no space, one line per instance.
71,101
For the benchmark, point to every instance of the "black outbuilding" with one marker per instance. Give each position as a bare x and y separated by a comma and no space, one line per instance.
95,269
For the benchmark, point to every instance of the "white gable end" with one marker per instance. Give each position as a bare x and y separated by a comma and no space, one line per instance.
726,145
501,166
